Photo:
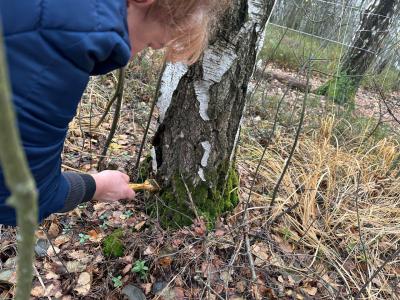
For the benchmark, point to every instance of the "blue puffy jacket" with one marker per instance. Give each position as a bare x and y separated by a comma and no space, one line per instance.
52,47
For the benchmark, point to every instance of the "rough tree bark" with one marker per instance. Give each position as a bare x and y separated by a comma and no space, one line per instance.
367,41
200,110
20,182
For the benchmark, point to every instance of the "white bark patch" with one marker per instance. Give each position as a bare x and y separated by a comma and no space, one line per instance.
255,9
169,82
202,95
261,41
207,150
221,55
204,160
154,159
201,174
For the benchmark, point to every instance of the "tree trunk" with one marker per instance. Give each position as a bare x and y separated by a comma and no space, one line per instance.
366,43
200,110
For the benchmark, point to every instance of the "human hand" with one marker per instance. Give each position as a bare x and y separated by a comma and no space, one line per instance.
112,186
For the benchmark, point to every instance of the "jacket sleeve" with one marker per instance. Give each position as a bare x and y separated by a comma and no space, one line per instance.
49,66
95,52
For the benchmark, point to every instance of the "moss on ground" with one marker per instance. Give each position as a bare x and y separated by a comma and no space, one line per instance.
211,199
113,245
342,90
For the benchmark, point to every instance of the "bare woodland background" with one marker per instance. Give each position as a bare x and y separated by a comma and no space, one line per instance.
331,171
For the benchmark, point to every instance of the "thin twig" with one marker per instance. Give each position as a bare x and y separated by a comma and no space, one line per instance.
41,281
19,180
364,249
58,255
294,146
285,212
146,131
190,199
114,123
250,257
199,279
389,259
118,91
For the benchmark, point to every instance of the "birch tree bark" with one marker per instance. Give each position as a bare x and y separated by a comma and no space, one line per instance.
200,111
367,42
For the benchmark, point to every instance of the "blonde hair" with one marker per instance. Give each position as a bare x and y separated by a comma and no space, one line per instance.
190,22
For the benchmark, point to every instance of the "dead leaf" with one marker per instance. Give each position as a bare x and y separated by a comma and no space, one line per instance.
225,277
53,231
95,236
219,233
200,227
139,225
38,291
61,239
149,251
146,287
176,243
127,269
80,254
11,263
179,293
53,290
8,276
284,245
165,261
75,266
241,286
52,251
179,281
84,284
51,275
312,291
40,234
260,251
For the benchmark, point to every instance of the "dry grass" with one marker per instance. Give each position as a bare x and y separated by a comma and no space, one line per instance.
331,183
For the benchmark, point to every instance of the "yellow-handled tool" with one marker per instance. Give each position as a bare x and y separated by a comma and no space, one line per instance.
149,185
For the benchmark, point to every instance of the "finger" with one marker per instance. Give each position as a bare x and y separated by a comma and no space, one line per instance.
125,177
130,194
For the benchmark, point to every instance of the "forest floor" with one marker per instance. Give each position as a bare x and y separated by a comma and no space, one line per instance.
335,220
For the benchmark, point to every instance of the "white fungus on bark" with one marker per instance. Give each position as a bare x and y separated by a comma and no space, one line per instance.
169,82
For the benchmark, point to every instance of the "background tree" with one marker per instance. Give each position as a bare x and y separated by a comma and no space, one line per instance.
367,42
200,114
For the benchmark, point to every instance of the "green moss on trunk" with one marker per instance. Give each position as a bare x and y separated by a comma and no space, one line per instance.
342,90
211,198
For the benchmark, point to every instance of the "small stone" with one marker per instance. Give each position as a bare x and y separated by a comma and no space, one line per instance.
42,245
133,293
159,286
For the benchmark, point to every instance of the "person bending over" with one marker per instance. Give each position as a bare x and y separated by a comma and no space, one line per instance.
52,47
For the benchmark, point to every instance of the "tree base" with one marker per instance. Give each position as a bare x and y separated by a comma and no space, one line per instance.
341,90
182,200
